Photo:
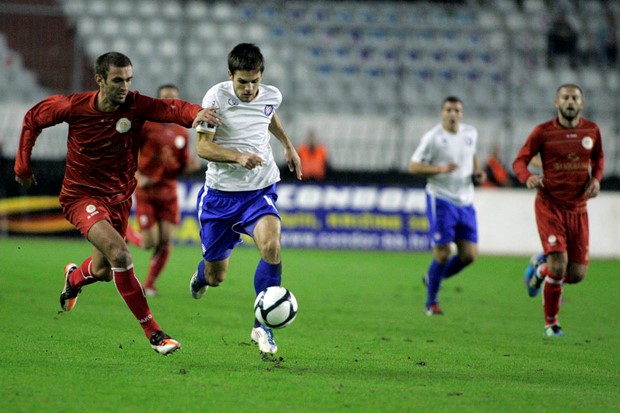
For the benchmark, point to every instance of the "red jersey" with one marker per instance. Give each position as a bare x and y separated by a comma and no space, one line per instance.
569,157
164,154
102,147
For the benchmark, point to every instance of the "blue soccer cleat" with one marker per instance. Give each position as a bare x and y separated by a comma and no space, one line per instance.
532,281
553,331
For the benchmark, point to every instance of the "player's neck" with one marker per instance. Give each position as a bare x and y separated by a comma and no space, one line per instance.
569,123
104,105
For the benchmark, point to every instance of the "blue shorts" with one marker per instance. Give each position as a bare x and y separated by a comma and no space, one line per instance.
449,222
224,216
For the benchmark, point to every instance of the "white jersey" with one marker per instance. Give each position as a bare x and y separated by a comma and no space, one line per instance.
439,147
244,128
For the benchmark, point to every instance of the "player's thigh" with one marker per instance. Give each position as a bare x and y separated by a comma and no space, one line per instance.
267,229
466,250
100,266
267,238
579,236
551,228
576,272
105,238
150,236
442,218
557,263
166,229
145,213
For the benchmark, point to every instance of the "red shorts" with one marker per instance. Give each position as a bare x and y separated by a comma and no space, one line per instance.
562,230
84,213
150,209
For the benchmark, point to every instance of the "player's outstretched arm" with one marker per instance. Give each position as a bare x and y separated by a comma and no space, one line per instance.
208,116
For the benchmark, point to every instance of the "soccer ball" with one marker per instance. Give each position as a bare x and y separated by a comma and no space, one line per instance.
275,307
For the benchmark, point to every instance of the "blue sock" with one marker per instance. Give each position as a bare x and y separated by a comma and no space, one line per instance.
454,266
435,275
201,272
266,275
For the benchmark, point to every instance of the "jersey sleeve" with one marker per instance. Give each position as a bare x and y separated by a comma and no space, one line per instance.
423,153
598,158
49,112
530,148
168,110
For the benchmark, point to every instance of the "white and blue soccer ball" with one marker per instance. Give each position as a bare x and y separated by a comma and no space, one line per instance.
275,307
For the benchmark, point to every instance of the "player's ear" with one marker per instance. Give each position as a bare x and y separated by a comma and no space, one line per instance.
230,75
99,79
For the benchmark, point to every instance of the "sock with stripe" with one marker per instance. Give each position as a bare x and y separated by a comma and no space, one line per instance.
130,289
552,294
83,274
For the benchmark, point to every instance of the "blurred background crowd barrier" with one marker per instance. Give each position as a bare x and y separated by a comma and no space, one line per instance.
367,75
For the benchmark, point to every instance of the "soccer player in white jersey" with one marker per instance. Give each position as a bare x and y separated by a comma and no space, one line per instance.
447,157
239,194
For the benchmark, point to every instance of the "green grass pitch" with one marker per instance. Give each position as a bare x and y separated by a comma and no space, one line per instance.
360,343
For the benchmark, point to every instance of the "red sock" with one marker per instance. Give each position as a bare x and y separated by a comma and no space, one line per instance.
130,289
83,275
552,294
133,237
158,261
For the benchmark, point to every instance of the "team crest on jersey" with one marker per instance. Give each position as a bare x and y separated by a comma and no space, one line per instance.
268,110
233,102
90,208
587,142
179,142
552,239
123,125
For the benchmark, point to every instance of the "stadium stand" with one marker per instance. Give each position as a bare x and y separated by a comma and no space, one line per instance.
371,74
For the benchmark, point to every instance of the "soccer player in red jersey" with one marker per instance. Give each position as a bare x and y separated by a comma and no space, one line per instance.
102,153
164,155
571,152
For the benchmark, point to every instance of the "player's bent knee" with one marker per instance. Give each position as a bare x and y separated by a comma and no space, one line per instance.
574,278
271,252
215,280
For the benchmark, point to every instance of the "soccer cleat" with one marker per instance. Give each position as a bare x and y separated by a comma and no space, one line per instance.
150,292
197,288
433,310
532,282
163,344
263,336
69,295
553,331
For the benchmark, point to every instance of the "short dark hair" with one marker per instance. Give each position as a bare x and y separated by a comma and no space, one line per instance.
557,92
102,66
167,86
451,99
245,57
